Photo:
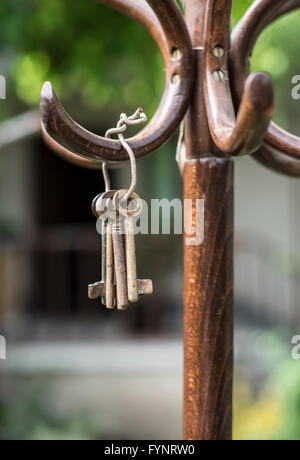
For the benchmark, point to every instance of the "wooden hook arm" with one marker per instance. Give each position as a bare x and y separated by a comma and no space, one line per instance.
66,154
179,75
277,161
245,133
260,15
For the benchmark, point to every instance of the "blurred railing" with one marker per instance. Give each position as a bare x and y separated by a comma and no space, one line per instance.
47,281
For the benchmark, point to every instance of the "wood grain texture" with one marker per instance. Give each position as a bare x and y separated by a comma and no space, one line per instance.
197,136
208,309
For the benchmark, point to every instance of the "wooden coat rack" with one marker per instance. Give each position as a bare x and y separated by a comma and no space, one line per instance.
227,114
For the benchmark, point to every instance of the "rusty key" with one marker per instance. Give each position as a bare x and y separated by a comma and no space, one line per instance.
100,209
128,211
120,263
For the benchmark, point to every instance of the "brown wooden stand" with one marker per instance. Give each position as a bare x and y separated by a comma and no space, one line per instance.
228,114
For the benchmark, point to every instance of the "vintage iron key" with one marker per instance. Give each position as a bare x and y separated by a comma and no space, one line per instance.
105,289
103,248
102,210
128,212
120,262
132,282
119,279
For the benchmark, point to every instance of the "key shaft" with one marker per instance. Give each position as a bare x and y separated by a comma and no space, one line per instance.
132,283
110,292
120,265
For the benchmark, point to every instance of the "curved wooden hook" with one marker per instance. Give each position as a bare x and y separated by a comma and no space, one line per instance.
142,13
260,15
59,128
277,161
66,154
244,134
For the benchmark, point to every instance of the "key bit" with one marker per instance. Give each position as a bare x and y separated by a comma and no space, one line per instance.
96,290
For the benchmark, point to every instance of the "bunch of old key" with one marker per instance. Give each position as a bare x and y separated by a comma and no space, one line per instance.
119,286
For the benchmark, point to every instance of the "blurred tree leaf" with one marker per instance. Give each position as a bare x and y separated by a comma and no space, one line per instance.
102,62
85,49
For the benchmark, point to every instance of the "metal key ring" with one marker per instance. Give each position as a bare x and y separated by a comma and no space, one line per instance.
100,205
94,204
125,211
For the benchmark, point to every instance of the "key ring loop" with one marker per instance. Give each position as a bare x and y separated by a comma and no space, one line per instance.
137,118
119,198
100,206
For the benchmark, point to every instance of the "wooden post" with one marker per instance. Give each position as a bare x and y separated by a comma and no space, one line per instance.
208,268
208,304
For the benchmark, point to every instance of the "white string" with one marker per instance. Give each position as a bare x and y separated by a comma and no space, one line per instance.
137,118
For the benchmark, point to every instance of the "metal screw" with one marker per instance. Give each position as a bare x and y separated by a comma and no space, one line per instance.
219,51
175,78
176,54
219,75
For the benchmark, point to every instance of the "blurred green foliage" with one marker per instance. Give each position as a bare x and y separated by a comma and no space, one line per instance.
31,417
84,48
276,52
266,410
272,413
104,61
